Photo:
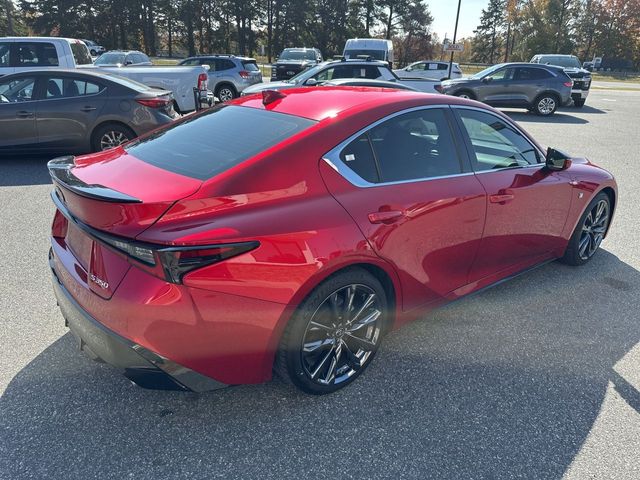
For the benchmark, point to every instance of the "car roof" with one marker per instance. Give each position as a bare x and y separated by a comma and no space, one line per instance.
125,51
330,101
366,82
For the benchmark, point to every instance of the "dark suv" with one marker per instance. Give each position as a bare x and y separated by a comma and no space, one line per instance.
571,65
293,61
539,88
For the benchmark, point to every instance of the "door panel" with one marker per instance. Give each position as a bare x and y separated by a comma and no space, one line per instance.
496,88
428,227
18,110
527,204
68,112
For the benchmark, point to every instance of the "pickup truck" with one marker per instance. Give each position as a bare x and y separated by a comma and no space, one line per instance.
338,69
21,54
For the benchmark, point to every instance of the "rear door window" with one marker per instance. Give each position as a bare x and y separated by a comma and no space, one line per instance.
35,54
57,87
5,47
205,145
531,73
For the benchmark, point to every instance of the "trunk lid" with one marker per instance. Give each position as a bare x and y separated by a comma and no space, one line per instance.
114,195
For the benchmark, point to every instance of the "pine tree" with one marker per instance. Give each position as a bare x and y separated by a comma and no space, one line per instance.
487,43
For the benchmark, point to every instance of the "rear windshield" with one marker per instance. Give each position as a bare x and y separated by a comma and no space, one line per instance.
298,55
250,65
110,58
377,54
208,144
80,53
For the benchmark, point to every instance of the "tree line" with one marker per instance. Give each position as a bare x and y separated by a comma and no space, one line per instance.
245,27
508,30
515,30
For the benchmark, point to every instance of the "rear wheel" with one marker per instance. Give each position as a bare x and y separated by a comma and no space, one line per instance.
589,232
111,135
225,93
465,94
335,333
545,105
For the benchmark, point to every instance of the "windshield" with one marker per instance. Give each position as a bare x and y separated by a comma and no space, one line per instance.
298,55
205,145
303,75
560,61
111,58
485,72
377,54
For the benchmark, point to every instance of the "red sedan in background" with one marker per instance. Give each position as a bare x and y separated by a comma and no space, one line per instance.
290,231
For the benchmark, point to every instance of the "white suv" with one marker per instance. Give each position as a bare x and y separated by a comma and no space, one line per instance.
438,70
19,54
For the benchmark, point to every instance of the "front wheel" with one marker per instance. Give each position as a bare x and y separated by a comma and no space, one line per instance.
545,105
335,333
465,94
589,232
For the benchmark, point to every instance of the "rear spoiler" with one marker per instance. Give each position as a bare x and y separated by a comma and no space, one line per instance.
61,174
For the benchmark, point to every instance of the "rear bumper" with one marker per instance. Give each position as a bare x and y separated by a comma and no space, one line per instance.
140,365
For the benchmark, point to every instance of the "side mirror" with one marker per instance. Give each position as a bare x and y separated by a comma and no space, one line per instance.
128,62
557,160
486,79
311,82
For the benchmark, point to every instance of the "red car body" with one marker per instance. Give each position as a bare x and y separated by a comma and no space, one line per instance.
429,242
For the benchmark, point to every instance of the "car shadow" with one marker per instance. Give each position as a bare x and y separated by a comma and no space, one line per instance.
507,383
558,117
19,170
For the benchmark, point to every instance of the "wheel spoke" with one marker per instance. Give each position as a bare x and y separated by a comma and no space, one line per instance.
361,342
352,359
372,317
331,371
327,356
351,295
320,326
313,346
333,301
367,303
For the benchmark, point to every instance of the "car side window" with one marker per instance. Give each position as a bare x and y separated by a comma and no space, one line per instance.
5,48
191,62
530,73
68,88
36,54
224,64
415,145
358,156
495,143
418,66
504,74
17,90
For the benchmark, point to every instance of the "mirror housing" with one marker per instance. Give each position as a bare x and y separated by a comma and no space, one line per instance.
311,82
556,160
486,79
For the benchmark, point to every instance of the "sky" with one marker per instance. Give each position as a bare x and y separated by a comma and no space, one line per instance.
444,16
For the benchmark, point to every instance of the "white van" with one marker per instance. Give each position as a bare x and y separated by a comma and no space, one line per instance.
377,48
19,54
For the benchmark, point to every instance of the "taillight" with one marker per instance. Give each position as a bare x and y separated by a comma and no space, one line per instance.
177,262
157,102
203,81
59,226
568,84
244,74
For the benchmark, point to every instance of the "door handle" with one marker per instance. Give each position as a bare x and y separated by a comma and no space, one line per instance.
24,114
387,217
501,198
88,109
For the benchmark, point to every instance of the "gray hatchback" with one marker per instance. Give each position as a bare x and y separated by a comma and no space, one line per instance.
72,111
538,88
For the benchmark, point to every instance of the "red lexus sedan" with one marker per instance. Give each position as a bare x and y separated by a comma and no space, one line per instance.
290,231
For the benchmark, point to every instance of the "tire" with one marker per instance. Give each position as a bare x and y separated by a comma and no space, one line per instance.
579,103
465,94
225,92
110,135
591,229
546,104
340,341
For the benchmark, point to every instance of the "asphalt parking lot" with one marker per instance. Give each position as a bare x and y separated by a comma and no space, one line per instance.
536,378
